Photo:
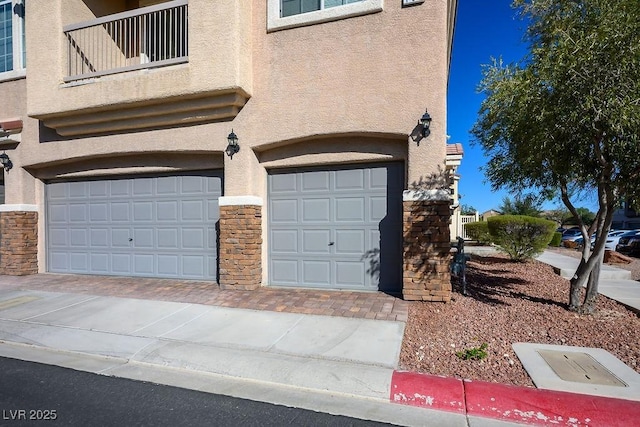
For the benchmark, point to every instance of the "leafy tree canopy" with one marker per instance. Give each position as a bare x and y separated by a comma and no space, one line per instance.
467,210
566,120
521,205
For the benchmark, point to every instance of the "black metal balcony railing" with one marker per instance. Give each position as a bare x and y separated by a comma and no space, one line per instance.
148,37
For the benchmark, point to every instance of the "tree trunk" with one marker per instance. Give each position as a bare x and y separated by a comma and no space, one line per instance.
589,304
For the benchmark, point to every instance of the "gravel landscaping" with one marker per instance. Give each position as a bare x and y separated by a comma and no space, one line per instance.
511,302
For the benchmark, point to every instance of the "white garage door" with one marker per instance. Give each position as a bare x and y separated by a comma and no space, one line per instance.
338,228
160,226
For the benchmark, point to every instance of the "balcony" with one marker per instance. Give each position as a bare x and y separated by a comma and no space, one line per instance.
175,63
148,37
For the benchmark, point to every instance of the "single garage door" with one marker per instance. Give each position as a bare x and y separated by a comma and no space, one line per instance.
152,226
338,228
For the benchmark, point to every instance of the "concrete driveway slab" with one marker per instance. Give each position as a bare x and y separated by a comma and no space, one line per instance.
108,314
25,305
71,339
362,340
237,328
305,372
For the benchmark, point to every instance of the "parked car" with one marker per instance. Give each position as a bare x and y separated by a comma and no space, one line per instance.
613,242
613,237
571,235
629,244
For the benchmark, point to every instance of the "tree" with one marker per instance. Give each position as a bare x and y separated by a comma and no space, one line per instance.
566,119
467,210
527,205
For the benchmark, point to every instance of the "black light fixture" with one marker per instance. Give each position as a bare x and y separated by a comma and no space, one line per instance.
6,162
232,146
425,121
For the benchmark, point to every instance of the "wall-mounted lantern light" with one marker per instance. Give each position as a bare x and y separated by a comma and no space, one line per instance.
425,121
232,146
6,162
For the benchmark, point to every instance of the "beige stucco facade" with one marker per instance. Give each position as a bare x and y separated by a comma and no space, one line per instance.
346,91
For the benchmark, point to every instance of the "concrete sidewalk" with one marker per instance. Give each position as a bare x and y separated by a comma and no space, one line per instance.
615,283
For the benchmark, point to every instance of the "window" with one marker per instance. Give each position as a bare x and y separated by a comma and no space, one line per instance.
12,38
296,7
294,13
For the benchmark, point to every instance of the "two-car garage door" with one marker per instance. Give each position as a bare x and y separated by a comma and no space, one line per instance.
338,228
156,226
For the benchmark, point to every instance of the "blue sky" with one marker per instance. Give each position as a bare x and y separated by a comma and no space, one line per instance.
484,29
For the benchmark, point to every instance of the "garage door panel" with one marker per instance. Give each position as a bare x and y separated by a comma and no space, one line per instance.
167,185
193,265
57,214
98,212
142,187
167,238
350,179
58,237
99,262
283,211
59,260
120,211
78,238
120,237
284,241
316,210
121,263
343,248
143,238
350,274
378,178
77,213
316,241
98,189
193,238
78,261
168,265
146,226
315,181
143,211
143,264
193,210
283,184
78,190
119,188
350,242
316,273
350,209
285,272
377,208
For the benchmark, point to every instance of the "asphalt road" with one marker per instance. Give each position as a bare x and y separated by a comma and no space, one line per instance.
37,394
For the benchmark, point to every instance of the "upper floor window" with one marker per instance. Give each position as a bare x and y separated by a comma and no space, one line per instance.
296,7
283,14
12,37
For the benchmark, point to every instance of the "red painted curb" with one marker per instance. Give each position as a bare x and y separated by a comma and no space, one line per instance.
548,407
512,403
441,393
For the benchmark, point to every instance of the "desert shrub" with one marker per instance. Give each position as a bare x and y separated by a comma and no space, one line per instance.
556,239
521,237
478,231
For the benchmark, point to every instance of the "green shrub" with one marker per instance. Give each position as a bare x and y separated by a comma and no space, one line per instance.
556,239
521,237
478,231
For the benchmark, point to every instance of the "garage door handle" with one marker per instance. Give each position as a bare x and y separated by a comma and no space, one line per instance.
332,243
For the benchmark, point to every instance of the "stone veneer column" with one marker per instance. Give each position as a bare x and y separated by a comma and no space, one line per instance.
427,246
240,253
18,240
